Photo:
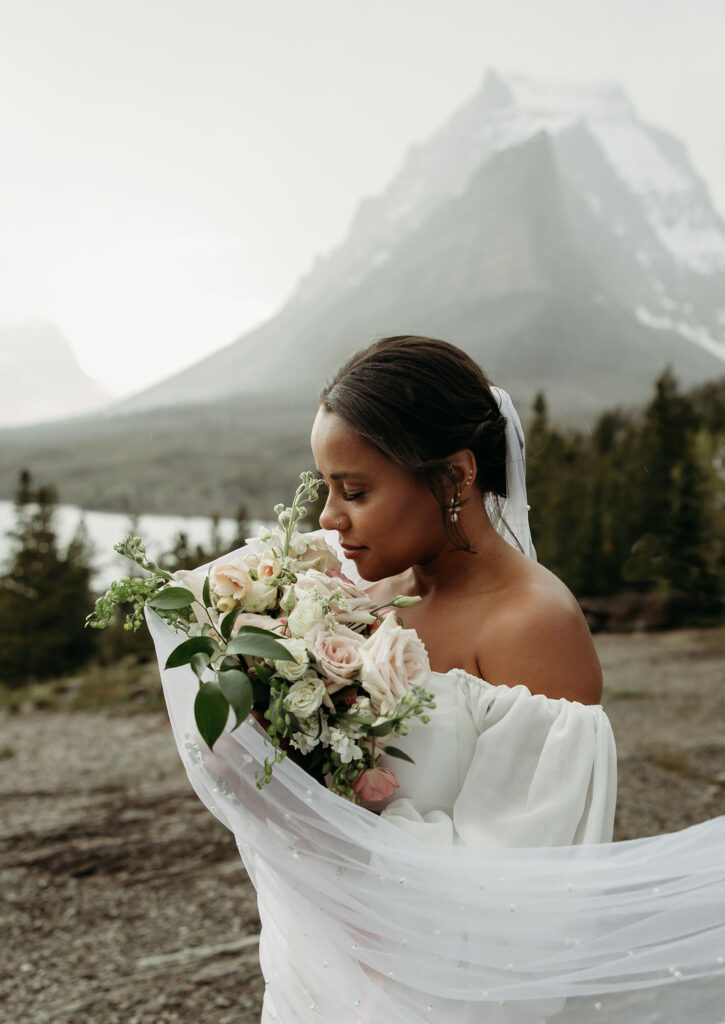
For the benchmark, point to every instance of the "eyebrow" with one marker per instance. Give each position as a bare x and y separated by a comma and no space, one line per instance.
343,475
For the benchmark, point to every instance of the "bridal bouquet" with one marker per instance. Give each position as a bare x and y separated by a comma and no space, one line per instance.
279,632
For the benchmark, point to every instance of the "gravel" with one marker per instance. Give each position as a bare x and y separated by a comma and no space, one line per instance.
124,902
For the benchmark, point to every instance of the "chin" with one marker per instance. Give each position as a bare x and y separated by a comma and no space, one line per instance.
374,569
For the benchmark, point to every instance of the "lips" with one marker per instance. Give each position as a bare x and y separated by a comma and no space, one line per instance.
350,550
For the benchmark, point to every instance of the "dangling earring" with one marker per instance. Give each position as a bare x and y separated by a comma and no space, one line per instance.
454,507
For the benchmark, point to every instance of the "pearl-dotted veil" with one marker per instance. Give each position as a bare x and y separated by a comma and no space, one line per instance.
364,923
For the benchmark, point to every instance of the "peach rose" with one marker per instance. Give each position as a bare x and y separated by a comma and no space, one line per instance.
393,660
337,652
232,579
375,784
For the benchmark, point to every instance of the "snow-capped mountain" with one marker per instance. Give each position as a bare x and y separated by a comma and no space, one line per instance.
566,244
664,207
40,378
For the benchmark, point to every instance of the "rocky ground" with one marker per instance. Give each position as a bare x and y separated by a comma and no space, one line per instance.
122,901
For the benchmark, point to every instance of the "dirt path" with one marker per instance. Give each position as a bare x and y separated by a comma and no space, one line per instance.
124,902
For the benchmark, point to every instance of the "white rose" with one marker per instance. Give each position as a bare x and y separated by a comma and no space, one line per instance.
261,597
393,660
344,745
307,613
305,696
293,670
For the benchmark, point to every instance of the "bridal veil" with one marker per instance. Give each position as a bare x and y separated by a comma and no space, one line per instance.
364,924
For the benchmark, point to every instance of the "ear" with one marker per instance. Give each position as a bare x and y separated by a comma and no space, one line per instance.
461,470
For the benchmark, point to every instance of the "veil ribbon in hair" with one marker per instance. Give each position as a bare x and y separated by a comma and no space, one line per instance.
511,517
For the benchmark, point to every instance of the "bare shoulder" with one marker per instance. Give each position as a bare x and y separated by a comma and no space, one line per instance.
536,634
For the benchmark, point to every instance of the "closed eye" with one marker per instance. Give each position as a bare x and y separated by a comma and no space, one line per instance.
347,496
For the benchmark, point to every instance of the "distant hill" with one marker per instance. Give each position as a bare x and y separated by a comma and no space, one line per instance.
40,378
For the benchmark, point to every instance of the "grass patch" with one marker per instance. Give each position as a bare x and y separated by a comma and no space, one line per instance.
128,686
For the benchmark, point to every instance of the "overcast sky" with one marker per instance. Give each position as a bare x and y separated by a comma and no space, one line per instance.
170,168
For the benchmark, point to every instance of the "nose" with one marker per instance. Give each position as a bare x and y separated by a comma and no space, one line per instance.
333,517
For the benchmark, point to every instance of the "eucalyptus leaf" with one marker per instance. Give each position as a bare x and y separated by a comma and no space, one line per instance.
237,689
183,654
227,663
171,597
211,710
256,646
206,593
397,752
200,663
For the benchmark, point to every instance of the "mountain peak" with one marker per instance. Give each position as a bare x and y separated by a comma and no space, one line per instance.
40,378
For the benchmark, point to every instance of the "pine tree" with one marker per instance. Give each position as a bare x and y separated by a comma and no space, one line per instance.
44,593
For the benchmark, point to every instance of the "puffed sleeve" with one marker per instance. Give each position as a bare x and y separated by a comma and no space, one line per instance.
542,772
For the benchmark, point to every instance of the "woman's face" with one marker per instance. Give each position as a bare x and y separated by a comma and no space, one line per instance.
386,517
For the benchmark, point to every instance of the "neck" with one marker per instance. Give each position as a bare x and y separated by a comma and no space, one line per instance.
453,569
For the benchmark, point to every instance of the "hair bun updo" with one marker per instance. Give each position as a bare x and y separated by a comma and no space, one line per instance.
418,400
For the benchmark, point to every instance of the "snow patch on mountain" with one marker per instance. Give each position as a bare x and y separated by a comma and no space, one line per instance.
695,333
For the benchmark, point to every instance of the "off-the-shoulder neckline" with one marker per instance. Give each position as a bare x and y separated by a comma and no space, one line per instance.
461,673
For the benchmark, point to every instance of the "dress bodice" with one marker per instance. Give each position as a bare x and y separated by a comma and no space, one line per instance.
500,766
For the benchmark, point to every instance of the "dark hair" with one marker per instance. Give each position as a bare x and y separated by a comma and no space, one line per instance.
418,400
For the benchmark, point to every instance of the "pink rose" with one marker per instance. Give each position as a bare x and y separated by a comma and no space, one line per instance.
393,660
375,784
337,652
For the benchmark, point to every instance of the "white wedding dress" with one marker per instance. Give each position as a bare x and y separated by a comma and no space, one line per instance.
499,767
487,891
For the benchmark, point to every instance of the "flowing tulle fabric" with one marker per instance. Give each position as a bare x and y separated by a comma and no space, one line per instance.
364,923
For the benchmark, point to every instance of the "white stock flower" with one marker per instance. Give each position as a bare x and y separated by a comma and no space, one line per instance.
305,696
344,745
293,670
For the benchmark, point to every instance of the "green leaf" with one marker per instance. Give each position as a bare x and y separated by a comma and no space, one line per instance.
227,663
172,597
383,729
397,752
183,654
227,623
199,663
211,710
263,672
206,594
258,646
237,689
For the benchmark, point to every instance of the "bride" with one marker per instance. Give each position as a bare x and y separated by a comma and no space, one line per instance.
487,889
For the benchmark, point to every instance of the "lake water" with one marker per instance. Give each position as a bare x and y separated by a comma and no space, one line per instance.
108,528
